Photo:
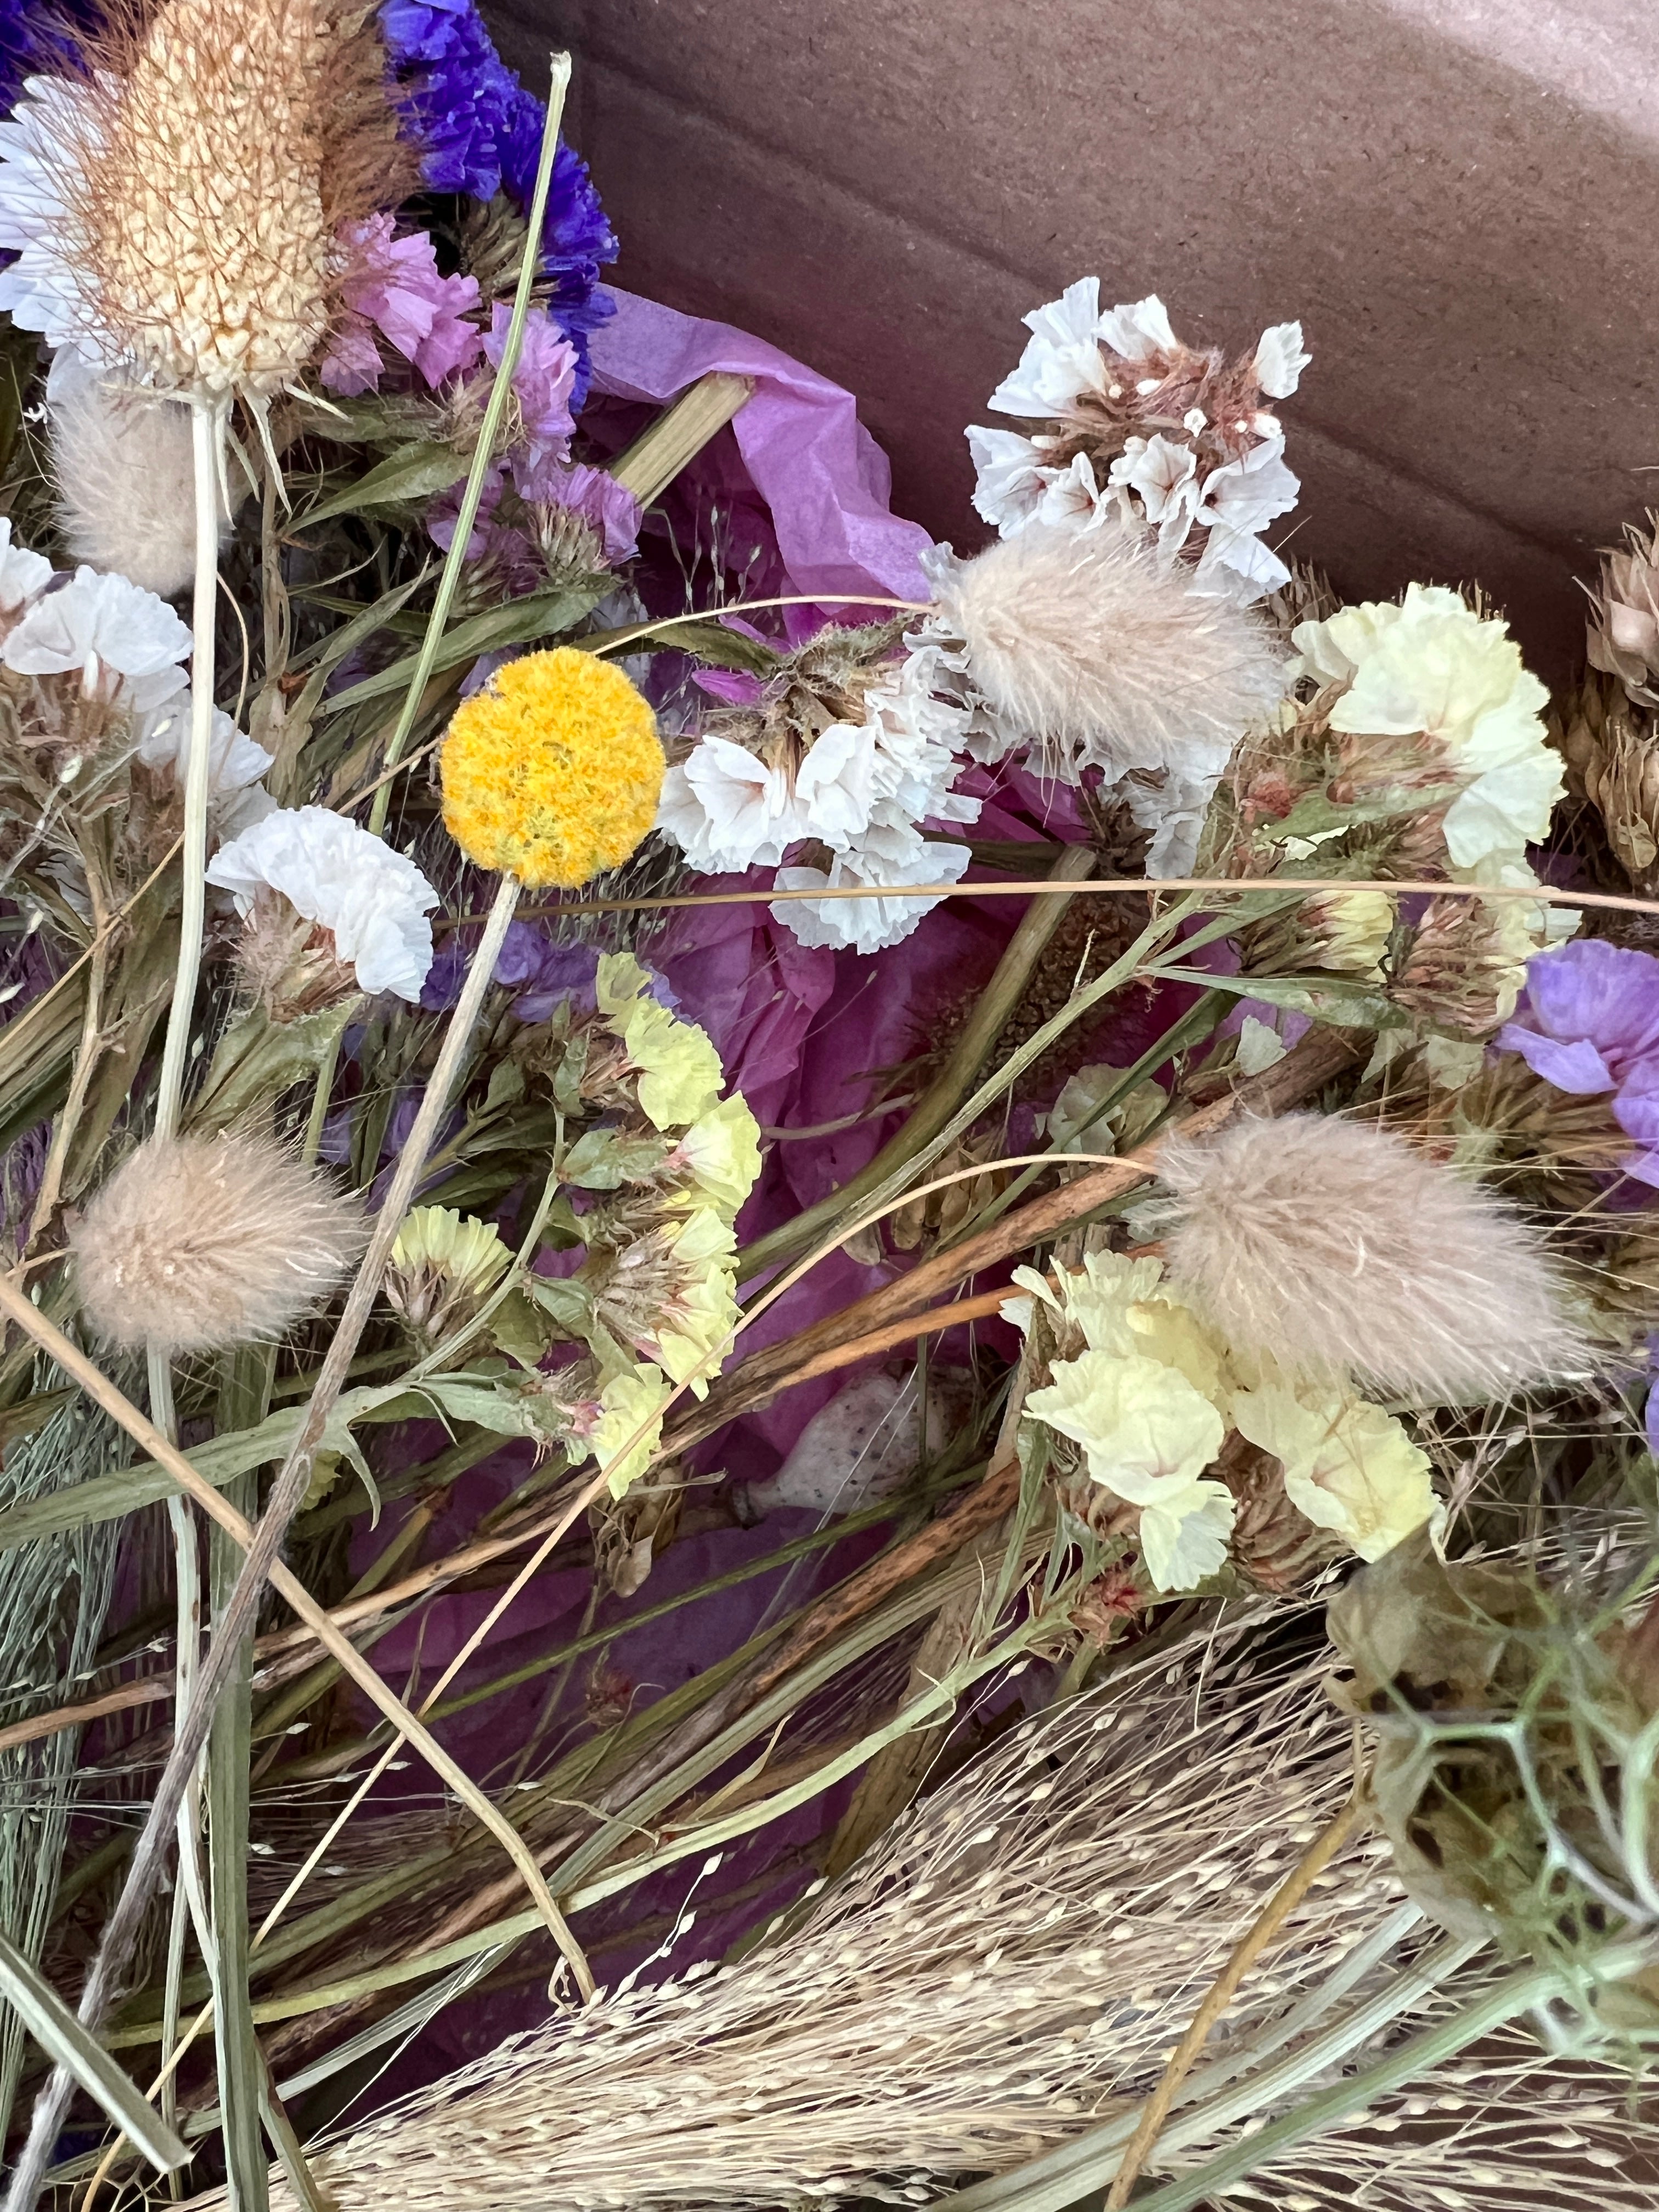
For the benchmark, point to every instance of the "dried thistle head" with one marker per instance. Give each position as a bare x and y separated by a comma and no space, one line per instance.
1097,653
205,168
1338,1250
196,1243
1622,635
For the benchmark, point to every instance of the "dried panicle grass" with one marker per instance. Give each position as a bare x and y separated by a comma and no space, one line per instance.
1338,1249
125,493
1014,1961
1100,655
197,1244
1506,2127
219,147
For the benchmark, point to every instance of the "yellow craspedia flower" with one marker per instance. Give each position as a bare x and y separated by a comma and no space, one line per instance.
552,772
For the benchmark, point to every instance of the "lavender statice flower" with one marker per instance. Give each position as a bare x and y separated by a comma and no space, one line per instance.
482,131
1589,1024
608,508
396,290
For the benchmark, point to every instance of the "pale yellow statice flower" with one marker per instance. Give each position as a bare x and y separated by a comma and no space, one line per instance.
1352,929
1349,1467
1123,1306
681,1076
722,1151
637,1395
1147,1434
1430,665
703,1310
1075,1125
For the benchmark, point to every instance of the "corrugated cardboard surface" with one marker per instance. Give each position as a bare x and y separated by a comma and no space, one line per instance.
1459,197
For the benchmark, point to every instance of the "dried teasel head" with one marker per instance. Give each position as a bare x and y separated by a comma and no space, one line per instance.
196,1244
180,207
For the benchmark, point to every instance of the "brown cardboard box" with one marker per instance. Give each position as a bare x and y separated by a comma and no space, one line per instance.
1459,197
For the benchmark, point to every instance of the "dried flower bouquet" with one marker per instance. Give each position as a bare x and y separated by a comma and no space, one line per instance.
719,1226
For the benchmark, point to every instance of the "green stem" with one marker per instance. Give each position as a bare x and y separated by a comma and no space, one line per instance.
1025,948
471,497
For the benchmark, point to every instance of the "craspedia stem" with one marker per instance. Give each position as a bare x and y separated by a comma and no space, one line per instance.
455,559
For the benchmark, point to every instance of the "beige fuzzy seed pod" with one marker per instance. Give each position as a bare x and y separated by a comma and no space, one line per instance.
1100,655
1339,1251
196,1243
126,502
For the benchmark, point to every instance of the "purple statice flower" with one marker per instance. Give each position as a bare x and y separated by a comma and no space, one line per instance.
482,131
397,291
1589,1024
544,384
518,571
608,508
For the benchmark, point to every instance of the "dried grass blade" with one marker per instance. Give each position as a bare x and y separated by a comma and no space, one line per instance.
67,2043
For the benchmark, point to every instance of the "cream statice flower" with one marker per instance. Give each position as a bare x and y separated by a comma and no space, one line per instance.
865,925
129,645
1348,1465
373,902
1120,413
1429,666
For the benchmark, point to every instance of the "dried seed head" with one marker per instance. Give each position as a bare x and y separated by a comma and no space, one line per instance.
1337,1249
1099,654
205,167
197,1244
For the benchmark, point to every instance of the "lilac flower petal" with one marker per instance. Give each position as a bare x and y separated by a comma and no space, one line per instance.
1650,1421
1578,1067
1636,1113
1607,992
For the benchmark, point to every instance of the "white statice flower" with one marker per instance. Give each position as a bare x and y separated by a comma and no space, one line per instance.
725,808
864,925
1349,1467
863,790
1011,477
23,575
374,901
1062,358
236,765
1075,351
1072,500
1237,502
1164,475
1280,358
125,641
1429,666
1171,809
43,142
1139,330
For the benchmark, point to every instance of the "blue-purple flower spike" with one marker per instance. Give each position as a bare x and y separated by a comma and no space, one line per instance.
483,133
